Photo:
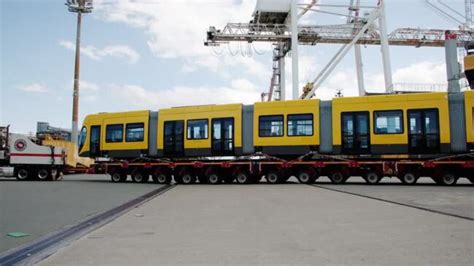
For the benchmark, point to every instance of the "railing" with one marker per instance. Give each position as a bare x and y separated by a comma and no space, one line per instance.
419,87
426,87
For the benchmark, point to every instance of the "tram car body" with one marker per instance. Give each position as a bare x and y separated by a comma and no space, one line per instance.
469,65
419,125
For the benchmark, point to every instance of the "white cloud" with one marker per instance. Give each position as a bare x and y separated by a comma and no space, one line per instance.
177,29
137,97
88,86
85,85
429,73
423,72
118,51
224,64
89,98
34,87
243,85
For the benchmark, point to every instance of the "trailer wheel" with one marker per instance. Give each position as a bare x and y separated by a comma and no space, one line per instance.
338,177
306,176
140,177
273,177
409,178
22,174
185,177
372,178
161,178
117,177
188,178
242,177
447,179
214,178
43,174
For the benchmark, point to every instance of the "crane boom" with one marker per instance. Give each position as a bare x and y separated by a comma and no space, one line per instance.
331,34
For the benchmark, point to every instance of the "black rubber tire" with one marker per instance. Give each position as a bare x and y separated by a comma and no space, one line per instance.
409,178
22,174
243,178
338,177
214,178
185,179
140,177
273,177
43,174
306,177
161,178
118,177
372,178
447,179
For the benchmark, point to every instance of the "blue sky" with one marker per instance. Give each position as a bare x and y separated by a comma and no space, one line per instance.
147,55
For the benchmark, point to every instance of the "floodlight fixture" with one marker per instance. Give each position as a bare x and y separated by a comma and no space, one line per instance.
79,6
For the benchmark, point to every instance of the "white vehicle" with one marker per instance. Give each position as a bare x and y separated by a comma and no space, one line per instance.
23,158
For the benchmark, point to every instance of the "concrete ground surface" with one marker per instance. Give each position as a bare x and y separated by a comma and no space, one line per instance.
456,200
38,208
282,224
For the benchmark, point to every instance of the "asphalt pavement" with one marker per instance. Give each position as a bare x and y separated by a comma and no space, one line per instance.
39,208
289,224
292,223
456,200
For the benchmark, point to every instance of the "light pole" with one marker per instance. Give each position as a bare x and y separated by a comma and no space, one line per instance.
79,7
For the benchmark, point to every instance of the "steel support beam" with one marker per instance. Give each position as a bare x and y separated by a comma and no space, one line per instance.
294,49
360,70
452,65
387,67
357,49
469,4
281,66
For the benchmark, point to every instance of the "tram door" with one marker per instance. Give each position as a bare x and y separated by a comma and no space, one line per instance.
223,136
95,141
423,136
174,138
355,133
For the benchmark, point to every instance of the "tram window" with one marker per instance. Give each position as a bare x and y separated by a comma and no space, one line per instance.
270,126
134,132
300,125
114,133
197,129
388,122
82,137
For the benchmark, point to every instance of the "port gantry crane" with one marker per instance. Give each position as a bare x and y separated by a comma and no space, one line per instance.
275,27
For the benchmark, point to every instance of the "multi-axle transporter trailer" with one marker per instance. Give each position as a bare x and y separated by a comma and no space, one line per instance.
307,169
